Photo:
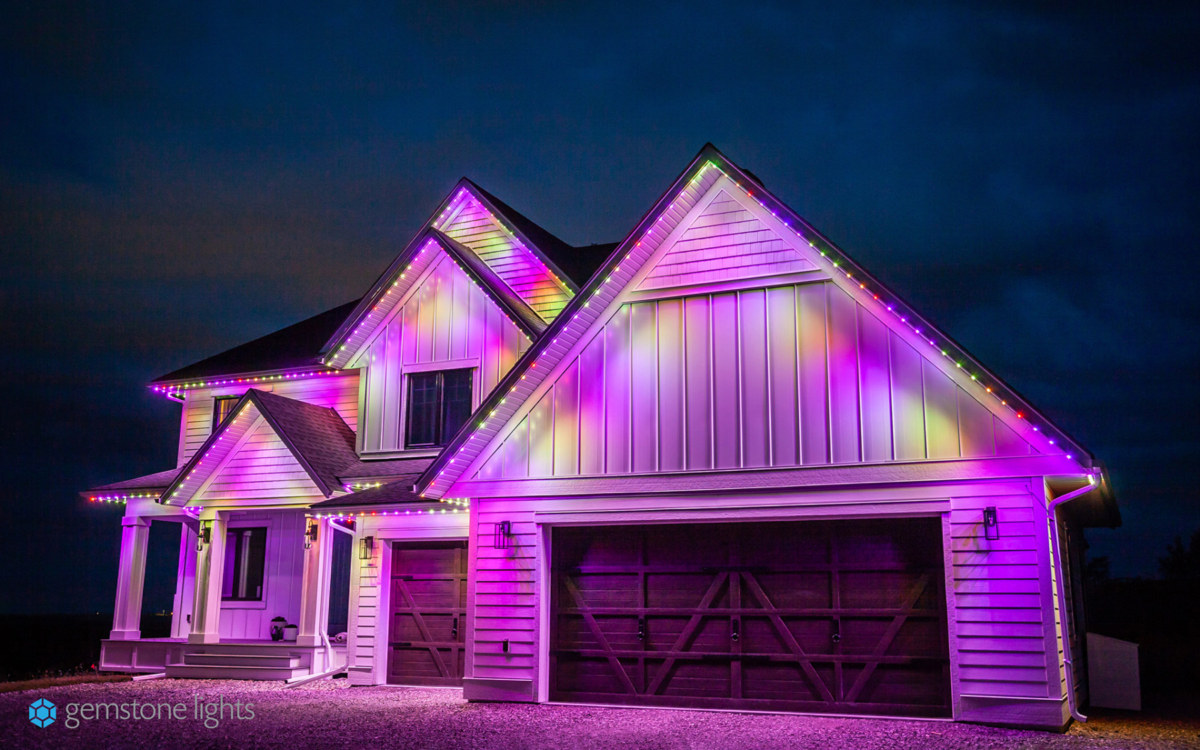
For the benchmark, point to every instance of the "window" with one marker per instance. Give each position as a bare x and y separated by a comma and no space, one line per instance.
245,553
222,405
438,404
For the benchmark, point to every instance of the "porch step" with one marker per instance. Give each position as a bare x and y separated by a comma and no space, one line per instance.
207,659
238,666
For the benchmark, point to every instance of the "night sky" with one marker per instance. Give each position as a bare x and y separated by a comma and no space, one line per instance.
178,179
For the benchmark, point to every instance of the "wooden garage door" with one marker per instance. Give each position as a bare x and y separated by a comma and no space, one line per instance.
840,616
428,614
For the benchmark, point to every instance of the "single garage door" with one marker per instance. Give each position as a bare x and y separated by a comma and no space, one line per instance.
839,616
428,614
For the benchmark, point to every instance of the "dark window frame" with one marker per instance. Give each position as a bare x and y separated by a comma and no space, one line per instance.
246,552
433,410
217,416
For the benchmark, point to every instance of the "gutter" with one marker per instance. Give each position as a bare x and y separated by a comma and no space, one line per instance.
1056,553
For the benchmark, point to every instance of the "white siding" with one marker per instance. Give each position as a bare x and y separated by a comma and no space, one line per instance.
337,391
523,271
794,375
446,319
997,595
262,469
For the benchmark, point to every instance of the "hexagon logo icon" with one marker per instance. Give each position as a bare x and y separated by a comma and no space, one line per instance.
42,713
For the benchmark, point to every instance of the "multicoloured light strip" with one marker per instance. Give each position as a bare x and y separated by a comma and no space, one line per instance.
456,202
179,390
835,258
409,512
123,498
331,359
180,486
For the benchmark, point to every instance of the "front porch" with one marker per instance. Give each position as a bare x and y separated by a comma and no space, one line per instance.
240,570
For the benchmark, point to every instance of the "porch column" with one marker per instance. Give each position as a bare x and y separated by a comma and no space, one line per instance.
210,572
131,574
314,592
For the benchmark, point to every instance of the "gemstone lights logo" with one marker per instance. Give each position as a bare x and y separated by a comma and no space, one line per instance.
42,713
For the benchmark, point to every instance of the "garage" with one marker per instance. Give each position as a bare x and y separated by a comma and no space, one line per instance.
845,616
428,612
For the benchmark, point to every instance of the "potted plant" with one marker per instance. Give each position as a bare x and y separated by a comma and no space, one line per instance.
290,632
277,626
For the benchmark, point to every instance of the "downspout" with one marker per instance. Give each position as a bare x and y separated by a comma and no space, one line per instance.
1052,516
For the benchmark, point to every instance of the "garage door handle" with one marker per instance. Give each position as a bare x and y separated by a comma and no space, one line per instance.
641,628
733,636
454,629
836,637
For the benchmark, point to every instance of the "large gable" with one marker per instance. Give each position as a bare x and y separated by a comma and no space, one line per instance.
871,346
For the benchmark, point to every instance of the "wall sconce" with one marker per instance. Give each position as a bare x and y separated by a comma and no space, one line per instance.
503,535
203,535
991,524
310,533
367,550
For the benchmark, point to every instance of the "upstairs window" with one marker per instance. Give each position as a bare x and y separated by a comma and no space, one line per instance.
438,404
245,554
222,405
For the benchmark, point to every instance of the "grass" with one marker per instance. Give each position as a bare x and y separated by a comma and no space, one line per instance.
46,682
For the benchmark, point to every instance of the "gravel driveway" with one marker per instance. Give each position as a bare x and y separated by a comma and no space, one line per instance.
332,714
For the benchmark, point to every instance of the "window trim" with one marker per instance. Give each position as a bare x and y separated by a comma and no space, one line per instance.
472,366
267,527
232,398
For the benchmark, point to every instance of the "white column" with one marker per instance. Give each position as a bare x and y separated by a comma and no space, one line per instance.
210,571
314,594
131,574
185,578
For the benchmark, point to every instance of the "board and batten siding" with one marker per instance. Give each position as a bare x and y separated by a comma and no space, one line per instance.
339,392
282,573
472,225
997,591
793,375
447,319
367,648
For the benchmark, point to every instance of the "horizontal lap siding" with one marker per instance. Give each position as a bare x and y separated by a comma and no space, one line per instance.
368,615
1001,593
523,271
447,319
726,241
794,375
261,469
339,392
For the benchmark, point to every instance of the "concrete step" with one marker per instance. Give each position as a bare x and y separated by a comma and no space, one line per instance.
234,672
271,660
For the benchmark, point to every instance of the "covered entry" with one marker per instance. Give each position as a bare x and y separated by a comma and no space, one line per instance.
831,616
428,613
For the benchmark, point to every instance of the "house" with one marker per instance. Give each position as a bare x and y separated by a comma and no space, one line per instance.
716,465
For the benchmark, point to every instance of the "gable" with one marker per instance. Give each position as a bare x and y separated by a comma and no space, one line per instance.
785,376
527,272
260,469
445,319
524,390
725,238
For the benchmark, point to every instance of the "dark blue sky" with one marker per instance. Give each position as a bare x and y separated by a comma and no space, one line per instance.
175,180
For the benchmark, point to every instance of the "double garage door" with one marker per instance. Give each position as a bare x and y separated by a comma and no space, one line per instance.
828,617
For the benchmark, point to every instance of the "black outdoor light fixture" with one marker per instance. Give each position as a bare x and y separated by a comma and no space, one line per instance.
367,550
203,535
503,534
991,524
310,534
